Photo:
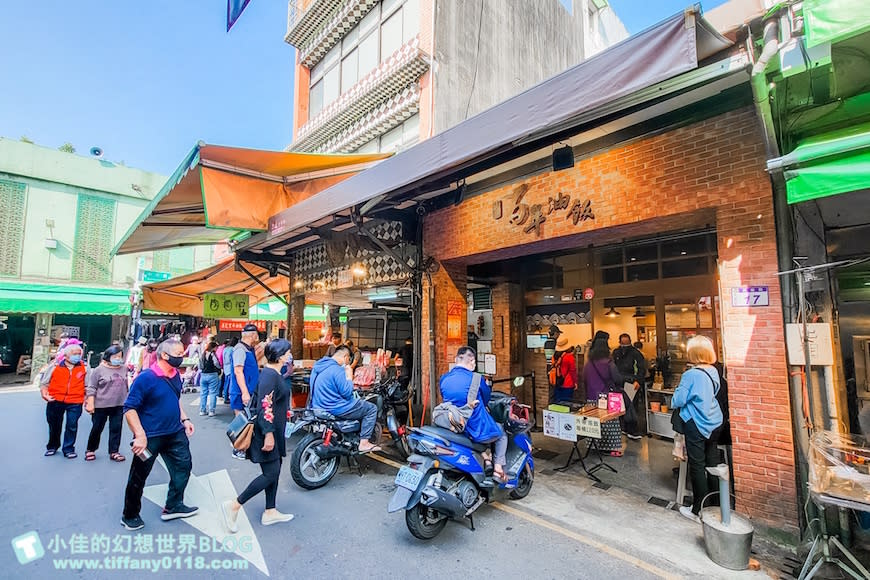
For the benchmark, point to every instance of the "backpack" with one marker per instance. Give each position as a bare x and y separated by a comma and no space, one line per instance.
555,375
449,416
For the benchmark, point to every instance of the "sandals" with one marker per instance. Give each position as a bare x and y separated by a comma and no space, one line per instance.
71,455
50,452
372,450
117,457
500,476
487,467
90,456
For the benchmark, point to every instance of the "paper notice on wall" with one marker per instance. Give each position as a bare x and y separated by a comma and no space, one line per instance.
821,344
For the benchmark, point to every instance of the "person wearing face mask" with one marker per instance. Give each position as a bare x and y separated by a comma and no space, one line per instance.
106,391
631,365
149,357
63,389
160,426
268,445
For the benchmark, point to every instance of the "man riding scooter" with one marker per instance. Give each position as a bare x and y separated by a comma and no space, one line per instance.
480,426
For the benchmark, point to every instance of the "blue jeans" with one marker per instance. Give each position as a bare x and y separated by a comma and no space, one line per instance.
365,412
54,413
209,383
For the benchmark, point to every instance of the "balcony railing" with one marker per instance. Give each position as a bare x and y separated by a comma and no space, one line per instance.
345,16
306,17
392,77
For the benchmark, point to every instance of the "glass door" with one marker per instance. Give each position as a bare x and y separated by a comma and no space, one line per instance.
685,318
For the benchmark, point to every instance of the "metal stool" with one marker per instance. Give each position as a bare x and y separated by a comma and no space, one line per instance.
824,544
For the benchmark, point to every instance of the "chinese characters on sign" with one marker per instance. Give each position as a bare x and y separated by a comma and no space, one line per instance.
531,217
225,306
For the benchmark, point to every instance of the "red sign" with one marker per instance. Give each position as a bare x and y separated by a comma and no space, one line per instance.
588,294
238,325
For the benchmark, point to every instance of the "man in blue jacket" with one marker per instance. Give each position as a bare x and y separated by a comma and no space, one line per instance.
480,427
332,391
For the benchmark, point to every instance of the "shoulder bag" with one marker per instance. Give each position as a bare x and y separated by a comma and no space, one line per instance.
449,416
240,431
677,423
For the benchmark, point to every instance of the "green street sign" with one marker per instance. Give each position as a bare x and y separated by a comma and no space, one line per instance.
155,276
225,306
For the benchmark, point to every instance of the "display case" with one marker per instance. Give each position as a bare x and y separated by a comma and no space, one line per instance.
658,410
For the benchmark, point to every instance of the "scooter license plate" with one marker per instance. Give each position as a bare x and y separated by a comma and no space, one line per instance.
409,478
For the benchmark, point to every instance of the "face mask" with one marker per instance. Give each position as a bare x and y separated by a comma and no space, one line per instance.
116,362
175,361
75,358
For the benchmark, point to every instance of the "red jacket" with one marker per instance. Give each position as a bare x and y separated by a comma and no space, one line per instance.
568,370
67,385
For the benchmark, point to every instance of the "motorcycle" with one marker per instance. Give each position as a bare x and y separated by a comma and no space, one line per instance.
391,398
316,458
446,479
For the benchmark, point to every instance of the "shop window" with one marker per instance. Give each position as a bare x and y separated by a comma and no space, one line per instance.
637,272
612,275
12,212
680,268
642,253
611,257
688,246
540,282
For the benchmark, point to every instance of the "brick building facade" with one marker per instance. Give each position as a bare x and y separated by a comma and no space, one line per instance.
705,175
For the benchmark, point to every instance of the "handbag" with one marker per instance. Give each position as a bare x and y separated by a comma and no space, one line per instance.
449,416
240,431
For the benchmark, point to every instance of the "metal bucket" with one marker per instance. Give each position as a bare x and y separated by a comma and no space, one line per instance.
728,546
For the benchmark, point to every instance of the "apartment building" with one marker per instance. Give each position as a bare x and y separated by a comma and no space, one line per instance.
375,76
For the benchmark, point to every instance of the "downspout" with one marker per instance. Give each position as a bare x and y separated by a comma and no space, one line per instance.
761,92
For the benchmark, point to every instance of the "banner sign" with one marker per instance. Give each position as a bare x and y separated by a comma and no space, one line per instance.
234,10
225,306
238,325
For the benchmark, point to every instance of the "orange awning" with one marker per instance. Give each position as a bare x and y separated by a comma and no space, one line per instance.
219,191
184,295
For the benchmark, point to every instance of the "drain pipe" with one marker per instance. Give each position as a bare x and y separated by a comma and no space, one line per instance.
761,92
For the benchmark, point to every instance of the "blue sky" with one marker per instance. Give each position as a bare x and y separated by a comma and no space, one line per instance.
145,80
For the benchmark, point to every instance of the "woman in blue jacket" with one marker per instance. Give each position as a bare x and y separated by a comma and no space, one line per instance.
695,397
480,427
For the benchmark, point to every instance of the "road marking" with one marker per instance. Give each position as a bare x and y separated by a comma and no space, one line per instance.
207,492
539,521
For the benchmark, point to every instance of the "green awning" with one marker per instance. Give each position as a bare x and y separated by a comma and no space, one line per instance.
275,310
57,299
827,164
835,20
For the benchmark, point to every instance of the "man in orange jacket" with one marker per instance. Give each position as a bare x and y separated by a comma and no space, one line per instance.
63,388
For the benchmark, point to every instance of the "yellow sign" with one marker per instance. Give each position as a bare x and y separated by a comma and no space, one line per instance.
225,306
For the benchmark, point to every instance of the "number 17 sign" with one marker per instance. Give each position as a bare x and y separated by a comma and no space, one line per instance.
750,296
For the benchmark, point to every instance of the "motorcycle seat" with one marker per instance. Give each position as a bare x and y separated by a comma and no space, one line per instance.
449,435
348,426
323,415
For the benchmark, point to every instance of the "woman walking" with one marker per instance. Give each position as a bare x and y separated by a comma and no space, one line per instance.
106,392
695,397
210,379
601,375
267,444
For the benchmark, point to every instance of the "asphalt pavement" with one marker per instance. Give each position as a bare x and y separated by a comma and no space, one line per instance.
59,512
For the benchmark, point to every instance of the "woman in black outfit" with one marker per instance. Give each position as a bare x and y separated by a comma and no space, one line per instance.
268,445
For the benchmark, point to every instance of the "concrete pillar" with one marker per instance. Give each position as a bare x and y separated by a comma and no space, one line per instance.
41,343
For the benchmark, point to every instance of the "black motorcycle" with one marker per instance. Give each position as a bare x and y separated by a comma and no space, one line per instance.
316,458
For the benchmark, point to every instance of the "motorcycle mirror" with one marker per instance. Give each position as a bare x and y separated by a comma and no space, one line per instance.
519,381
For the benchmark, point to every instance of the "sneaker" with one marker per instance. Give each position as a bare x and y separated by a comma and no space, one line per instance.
202,413
180,511
230,516
211,413
239,455
275,519
686,511
633,437
132,524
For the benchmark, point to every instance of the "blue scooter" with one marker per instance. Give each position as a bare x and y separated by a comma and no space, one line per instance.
445,477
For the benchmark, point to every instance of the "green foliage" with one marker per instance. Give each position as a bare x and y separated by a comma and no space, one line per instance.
67,148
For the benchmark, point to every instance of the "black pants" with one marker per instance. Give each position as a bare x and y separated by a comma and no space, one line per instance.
54,413
702,453
115,417
175,450
267,482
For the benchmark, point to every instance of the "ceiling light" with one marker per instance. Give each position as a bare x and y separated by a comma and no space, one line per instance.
359,271
298,284
612,313
683,253
684,309
639,313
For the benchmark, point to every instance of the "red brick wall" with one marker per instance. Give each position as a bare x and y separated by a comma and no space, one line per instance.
709,173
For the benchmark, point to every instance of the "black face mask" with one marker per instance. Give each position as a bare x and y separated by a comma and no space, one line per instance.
175,361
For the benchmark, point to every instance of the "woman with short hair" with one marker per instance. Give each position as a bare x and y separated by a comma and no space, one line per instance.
106,392
695,398
268,445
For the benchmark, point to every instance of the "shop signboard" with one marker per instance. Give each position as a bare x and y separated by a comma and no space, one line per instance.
750,296
154,276
589,427
345,279
454,320
530,217
225,306
238,325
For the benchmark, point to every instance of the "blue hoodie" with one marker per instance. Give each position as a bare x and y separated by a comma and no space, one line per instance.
331,390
